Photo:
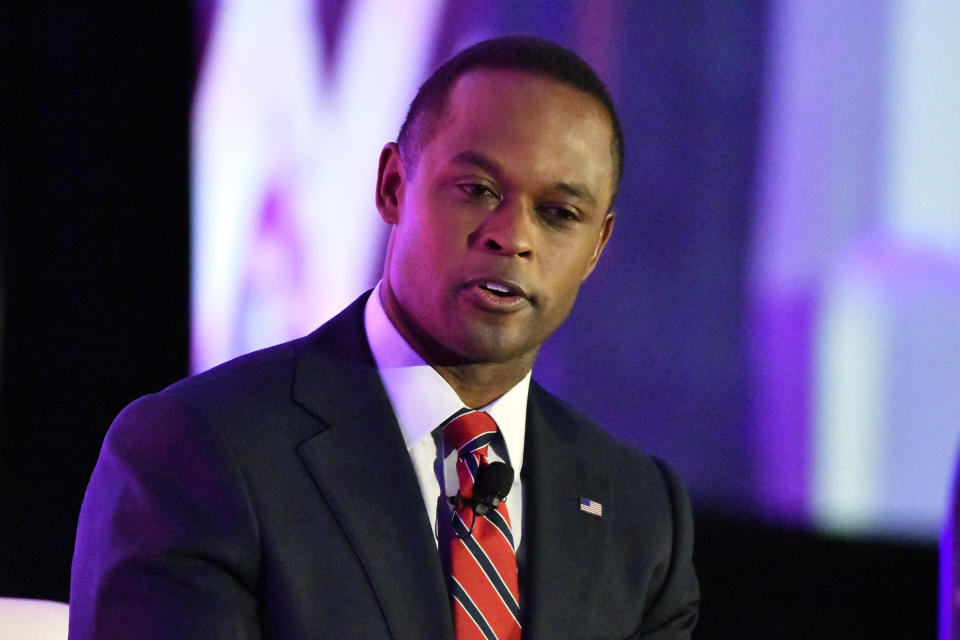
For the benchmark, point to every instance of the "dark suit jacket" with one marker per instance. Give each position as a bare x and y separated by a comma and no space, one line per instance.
273,496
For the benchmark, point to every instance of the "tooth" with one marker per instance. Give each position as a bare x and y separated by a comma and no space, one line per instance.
493,286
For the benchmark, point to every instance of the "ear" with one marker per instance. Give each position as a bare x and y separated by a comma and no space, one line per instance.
606,228
391,177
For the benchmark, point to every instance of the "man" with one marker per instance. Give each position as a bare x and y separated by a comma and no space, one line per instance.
304,491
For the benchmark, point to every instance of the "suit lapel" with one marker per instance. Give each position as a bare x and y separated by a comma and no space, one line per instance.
564,546
362,468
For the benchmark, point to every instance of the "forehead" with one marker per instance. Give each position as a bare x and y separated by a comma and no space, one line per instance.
530,123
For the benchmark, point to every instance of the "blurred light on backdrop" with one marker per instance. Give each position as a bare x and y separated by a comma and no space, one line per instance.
859,225
288,122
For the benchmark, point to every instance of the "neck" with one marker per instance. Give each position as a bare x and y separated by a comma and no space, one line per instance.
482,383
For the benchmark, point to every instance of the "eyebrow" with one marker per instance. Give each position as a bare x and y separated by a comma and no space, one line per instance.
577,191
478,159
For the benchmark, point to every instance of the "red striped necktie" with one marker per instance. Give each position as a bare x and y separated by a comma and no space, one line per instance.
483,564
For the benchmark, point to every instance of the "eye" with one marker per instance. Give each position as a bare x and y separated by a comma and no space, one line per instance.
478,191
557,214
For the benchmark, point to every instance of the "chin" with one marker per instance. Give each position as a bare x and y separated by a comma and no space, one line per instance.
494,348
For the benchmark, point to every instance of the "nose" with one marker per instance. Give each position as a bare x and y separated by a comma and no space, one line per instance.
507,230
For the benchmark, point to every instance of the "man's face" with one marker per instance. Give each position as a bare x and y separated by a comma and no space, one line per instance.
504,216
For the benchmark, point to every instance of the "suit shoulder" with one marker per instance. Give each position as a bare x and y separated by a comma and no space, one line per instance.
254,382
253,368
594,443
235,396
269,373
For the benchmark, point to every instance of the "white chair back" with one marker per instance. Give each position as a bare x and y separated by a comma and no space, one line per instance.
22,619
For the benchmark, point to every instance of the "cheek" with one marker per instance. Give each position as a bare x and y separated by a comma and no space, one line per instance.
414,239
424,227
434,245
568,267
422,257
565,279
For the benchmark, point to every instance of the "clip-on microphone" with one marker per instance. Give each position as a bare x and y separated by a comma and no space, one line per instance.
491,486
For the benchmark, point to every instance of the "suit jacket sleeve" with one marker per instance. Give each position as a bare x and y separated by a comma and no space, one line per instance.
673,612
167,541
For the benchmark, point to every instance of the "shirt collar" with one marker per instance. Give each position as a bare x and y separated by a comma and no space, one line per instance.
422,400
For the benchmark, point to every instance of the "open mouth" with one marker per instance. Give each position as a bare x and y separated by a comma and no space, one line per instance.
498,289
498,295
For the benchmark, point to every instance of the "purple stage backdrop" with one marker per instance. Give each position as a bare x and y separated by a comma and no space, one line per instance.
777,313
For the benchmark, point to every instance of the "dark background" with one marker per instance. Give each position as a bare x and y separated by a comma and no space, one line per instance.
94,279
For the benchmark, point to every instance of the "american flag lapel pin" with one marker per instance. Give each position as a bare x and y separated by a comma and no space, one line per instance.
592,507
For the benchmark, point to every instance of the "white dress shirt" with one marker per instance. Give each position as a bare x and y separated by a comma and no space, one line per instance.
422,401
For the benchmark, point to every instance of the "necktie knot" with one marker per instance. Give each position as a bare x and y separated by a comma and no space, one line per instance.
470,432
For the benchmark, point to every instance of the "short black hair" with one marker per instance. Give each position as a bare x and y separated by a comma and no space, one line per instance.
507,53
